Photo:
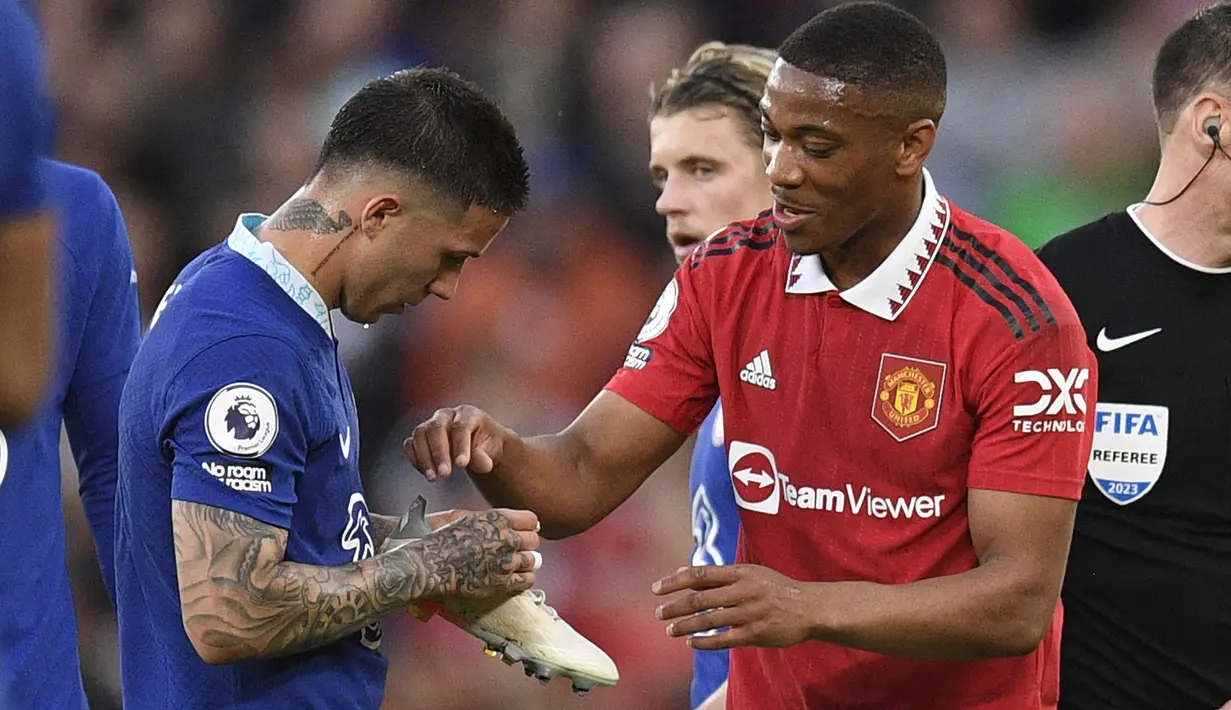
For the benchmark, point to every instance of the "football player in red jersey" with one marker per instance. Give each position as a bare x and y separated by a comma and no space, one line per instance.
907,403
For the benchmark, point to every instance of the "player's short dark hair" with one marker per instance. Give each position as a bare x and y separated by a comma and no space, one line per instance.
718,74
438,129
1193,58
884,51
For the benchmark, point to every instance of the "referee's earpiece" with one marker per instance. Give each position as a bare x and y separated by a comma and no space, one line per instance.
1213,129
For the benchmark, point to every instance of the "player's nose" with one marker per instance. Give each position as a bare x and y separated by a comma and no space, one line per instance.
444,287
673,199
780,167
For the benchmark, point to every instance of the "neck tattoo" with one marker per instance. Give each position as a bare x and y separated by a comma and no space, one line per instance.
307,215
334,250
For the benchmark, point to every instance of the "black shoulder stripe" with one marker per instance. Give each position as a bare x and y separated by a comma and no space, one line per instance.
759,229
744,242
968,281
1003,265
980,268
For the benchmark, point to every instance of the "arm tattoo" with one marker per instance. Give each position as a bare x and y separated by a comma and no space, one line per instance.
309,216
240,599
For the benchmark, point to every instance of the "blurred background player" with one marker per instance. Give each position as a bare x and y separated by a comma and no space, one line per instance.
705,159
1147,618
907,484
27,241
98,332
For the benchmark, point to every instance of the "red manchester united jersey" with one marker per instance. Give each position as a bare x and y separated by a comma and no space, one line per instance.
856,422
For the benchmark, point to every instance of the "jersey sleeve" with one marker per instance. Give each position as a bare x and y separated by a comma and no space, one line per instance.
1036,416
24,111
109,343
237,427
669,370
113,323
715,519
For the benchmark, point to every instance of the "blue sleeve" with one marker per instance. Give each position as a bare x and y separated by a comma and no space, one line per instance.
109,341
237,425
715,532
715,517
24,112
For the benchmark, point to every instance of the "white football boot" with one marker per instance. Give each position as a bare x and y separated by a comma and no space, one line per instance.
518,629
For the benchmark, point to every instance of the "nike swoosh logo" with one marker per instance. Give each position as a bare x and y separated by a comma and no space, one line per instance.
344,440
1108,344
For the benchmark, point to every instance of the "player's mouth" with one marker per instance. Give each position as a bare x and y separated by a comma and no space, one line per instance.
788,216
683,244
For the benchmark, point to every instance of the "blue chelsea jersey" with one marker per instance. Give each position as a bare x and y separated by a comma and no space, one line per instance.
238,400
97,336
715,532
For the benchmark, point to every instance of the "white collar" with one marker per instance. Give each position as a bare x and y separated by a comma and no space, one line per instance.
288,278
1132,212
886,291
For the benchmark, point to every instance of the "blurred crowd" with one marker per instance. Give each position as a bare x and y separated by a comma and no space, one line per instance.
197,110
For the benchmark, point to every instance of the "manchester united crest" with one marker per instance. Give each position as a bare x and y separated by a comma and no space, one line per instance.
908,396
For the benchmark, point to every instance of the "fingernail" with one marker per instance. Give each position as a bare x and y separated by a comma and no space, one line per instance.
442,469
538,560
538,526
655,587
659,613
461,460
689,642
680,570
671,629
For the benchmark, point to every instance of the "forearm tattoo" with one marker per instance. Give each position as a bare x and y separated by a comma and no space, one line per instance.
239,596
309,216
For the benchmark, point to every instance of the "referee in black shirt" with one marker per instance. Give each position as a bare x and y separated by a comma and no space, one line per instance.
1147,594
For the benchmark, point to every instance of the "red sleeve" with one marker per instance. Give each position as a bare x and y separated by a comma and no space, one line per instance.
1036,416
669,369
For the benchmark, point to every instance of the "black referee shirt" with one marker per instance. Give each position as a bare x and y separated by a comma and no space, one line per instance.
1147,594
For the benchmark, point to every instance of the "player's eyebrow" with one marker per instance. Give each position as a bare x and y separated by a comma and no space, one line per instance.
816,128
689,161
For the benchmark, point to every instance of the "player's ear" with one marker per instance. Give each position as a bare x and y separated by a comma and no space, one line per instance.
379,211
1207,118
917,142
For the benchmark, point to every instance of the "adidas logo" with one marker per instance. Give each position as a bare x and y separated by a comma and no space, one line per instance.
759,373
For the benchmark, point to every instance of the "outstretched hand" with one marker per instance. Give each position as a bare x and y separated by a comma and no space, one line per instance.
463,436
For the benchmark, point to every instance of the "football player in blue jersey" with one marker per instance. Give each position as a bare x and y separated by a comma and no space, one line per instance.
26,230
705,158
251,574
98,334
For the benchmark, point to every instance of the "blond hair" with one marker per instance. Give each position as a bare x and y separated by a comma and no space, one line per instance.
718,74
